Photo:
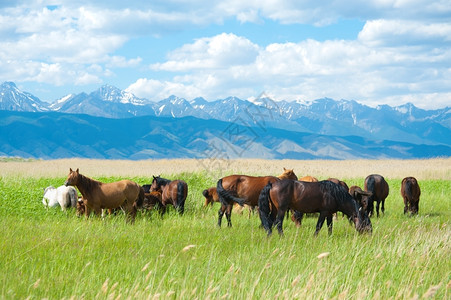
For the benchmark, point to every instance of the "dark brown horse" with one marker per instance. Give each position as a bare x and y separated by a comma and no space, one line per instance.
97,195
410,192
172,192
377,185
243,189
324,197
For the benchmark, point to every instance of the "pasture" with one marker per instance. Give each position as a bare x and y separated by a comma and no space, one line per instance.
54,254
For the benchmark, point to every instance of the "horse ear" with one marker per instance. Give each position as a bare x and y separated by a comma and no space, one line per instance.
284,169
77,171
70,170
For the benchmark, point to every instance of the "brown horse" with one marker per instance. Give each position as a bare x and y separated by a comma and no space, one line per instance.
211,195
324,197
243,189
172,192
97,195
410,192
309,179
339,182
377,185
360,196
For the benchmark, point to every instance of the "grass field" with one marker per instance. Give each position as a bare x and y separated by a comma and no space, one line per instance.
53,254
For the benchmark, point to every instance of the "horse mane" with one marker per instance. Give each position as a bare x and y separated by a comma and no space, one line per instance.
162,181
342,197
87,184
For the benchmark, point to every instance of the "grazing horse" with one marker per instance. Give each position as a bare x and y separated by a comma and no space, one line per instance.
243,189
97,195
377,185
211,195
172,192
324,197
360,196
410,192
63,196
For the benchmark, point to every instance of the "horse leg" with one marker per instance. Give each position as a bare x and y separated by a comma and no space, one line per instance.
228,214
279,221
406,205
221,212
377,208
329,224
131,213
319,224
383,207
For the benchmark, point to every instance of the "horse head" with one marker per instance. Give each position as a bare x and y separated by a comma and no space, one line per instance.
363,223
288,174
156,185
72,178
360,196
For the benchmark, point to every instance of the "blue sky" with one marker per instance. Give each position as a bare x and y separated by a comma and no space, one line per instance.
374,52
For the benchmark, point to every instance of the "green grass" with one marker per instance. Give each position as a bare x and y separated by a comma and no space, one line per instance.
53,254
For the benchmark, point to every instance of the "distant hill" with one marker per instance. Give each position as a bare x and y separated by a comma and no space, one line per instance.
342,129
51,135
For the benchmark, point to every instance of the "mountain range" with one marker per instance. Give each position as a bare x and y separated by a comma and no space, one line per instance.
111,123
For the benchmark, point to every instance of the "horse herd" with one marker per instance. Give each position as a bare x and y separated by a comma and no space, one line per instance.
273,196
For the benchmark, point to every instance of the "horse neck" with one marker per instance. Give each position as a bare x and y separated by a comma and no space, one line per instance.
85,185
162,182
349,208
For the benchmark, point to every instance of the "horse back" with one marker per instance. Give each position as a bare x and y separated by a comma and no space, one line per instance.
171,190
113,194
247,187
377,185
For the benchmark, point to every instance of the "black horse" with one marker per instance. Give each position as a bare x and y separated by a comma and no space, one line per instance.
324,197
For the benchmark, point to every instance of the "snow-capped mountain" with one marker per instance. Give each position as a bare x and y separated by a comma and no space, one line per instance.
327,117
11,98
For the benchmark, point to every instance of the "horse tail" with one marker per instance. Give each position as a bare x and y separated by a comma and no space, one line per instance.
225,197
264,209
140,200
181,197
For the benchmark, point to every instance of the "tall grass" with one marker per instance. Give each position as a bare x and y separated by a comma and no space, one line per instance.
53,254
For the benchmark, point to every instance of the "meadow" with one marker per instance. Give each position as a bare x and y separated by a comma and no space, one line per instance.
54,254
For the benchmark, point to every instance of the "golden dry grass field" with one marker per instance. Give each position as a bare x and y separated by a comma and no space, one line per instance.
439,168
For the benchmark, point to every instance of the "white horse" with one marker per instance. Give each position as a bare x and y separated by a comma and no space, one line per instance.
64,196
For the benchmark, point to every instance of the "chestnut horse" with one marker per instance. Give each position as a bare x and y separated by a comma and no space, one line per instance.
308,178
377,185
210,195
324,197
172,192
243,189
97,195
410,192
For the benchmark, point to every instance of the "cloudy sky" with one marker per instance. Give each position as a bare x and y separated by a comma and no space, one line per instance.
374,51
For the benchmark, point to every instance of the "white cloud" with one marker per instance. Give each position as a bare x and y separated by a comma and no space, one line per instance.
398,33
403,52
308,70
220,51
